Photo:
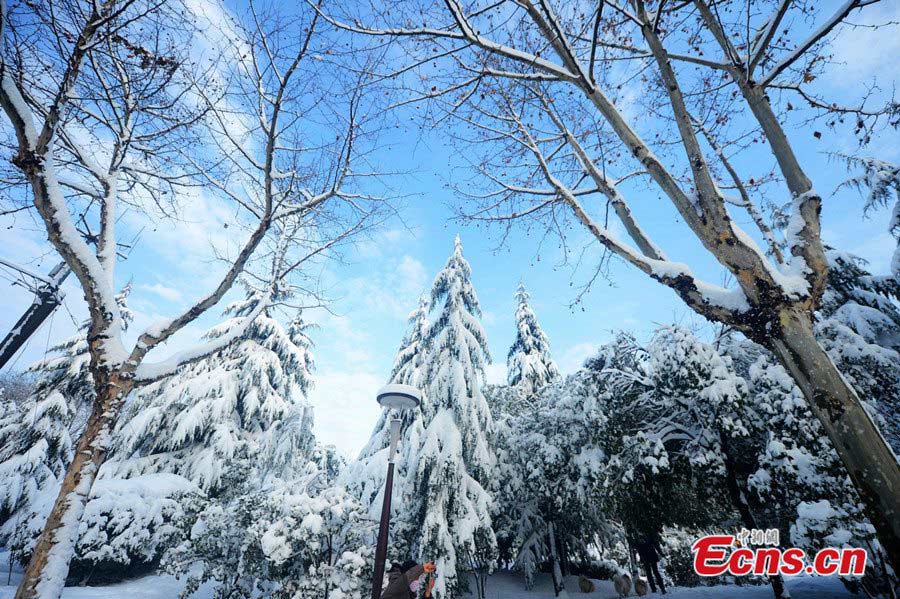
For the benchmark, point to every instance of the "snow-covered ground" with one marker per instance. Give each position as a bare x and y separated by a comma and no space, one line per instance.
500,586
508,586
149,587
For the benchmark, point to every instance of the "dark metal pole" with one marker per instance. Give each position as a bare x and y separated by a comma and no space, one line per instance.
381,548
46,300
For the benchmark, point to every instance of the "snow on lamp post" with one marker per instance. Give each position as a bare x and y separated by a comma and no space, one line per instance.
395,398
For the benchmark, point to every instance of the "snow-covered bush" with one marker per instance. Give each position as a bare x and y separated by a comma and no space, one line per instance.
676,543
128,524
319,545
291,541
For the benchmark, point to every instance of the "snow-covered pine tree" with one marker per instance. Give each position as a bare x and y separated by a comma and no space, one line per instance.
238,415
521,519
218,409
287,445
365,477
859,320
695,415
407,370
529,364
550,465
882,180
859,327
37,438
452,505
801,478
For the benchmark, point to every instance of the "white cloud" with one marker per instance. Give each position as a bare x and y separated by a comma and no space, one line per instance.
411,272
855,47
495,374
572,358
167,293
345,408
390,290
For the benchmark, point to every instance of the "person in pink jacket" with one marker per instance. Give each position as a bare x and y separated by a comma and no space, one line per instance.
403,580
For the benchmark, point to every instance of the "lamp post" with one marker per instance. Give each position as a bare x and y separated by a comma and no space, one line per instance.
395,398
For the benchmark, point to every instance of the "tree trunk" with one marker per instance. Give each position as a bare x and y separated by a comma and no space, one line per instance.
871,464
559,588
46,573
739,500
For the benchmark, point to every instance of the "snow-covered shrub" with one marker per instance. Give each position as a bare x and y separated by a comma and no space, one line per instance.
126,527
317,544
294,540
128,524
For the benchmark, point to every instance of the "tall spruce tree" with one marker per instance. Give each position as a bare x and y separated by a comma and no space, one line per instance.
407,368
529,364
365,477
219,410
452,506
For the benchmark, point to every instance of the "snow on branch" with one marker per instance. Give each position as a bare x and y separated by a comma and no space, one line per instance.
147,372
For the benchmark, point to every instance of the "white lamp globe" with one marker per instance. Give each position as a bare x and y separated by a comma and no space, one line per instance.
399,397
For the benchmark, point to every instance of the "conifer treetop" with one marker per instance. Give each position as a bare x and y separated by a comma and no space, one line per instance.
529,363
410,356
456,330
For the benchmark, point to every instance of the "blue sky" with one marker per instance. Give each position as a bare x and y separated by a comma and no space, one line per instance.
383,274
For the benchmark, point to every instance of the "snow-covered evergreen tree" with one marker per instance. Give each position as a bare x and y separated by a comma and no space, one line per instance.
452,505
859,327
407,369
550,465
801,477
693,404
882,181
38,436
240,410
286,446
219,409
365,477
529,364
